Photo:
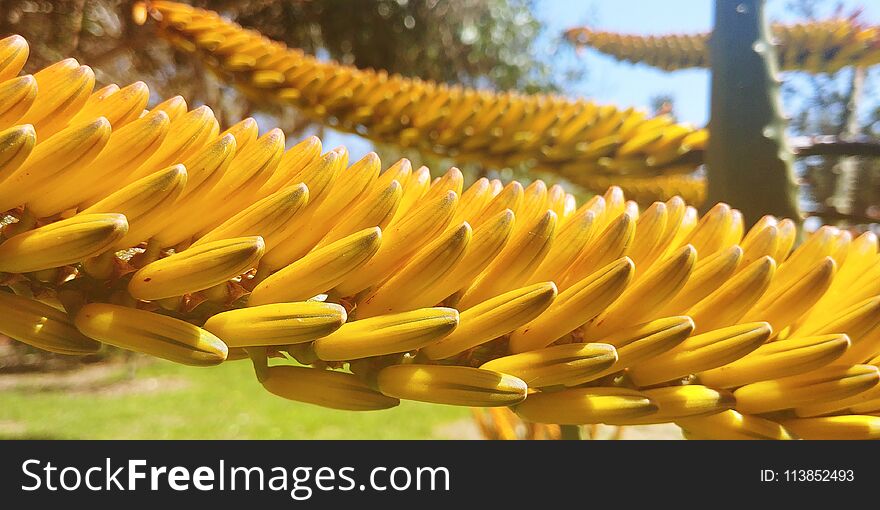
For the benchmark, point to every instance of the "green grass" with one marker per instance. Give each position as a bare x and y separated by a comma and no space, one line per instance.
167,401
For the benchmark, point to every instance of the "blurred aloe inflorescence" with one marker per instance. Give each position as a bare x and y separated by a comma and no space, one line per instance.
579,138
816,47
154,231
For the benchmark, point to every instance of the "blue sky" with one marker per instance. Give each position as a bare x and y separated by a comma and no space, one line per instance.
623,84
609,81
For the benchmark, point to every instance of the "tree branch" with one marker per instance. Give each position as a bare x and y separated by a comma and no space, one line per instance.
835,146
833,214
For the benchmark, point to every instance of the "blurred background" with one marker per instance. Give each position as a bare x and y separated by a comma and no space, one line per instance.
493,44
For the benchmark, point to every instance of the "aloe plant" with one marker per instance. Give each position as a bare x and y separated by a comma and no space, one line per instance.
749,163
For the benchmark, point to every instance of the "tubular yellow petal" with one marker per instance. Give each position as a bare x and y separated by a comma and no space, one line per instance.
860,261
150,333
62,89
325,388
768,220
400,171
782,358
534,202
762,244
610,245
861,255
411,286
685,227
839,406
320,270
198,268
376,210
13,54
245,131
120,107
472,201
851,427
237,188
267,218
641,301
615,204
840,247
16,97
63,242
174,107
459,386
61,154
676,209
826,384
101,95
126,148
709,274
42,326
568,364
650,228
348,187
141,201
297,165
320,176
682,402
782,306
574,307
582,406
510,197
701,352
645,341
16,144
493,318
861,322
400,241
516,262
277,324
104,176
486,243
387,334
817,246
732,425
735,297
192,131
572,237
735,234
203,170
452,180
787,235
714,231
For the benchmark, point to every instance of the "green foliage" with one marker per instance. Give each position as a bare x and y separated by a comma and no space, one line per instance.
473,42
168,401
